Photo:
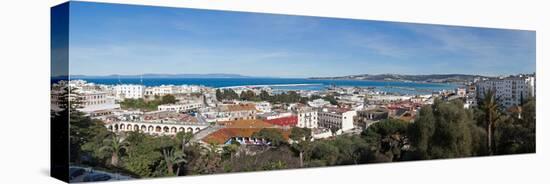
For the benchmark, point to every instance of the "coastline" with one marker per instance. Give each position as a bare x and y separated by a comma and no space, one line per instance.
285,83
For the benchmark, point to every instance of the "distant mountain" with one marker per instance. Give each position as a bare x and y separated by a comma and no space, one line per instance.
435,78
149,76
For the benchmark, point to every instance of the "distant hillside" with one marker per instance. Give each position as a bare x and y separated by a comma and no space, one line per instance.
145,76
436,78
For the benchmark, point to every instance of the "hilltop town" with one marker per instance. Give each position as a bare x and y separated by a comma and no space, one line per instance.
259,117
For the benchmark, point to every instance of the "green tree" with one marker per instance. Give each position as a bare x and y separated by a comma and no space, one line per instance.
219,95
231,149
209,161
173,158
387,137
444,130
490,107
92,148
184,138
271,134
248,95
115,145
331,99
168,99
351,149
315,97
301,137
285,97
79,124
264,96
293,97
270,159
325,153
230,94
143,157
517,133
149,105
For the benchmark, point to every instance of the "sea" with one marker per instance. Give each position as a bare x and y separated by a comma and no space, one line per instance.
397,87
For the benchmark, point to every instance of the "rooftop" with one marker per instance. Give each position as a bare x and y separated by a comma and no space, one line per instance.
222,135
336,110
238,107
166,115
252,123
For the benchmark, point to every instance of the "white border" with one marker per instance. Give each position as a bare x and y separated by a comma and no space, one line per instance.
24,156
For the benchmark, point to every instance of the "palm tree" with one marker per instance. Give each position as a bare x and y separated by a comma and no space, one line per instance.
232,149
302,137
171,158
491,108
209,160
184,138
114,145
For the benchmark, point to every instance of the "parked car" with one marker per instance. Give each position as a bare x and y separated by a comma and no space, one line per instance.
97,177
75,172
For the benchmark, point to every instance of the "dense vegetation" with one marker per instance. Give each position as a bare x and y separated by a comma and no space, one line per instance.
148,105
442,130
285,97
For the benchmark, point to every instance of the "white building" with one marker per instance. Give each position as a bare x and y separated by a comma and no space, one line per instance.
470,102
461,92
377,99
318,103
132,91
229,112
96,101
510,90
342,119
155,127
307,118
160,90
274,115
77,83
171,90
263,107
181,106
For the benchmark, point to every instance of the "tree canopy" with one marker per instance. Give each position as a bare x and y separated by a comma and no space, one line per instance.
445,130
148,105
272,135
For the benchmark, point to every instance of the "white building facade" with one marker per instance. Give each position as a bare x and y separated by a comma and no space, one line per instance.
180,107
263,107
318,103
336,118
131,91
155,128
171,90
510,90
307,118
96,101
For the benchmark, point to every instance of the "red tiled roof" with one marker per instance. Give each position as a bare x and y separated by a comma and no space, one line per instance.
251,123
241,107
284,121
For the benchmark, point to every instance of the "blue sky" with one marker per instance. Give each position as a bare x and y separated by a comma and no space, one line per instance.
122,39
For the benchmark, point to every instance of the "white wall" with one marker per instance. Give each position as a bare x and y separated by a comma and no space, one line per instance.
347,120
